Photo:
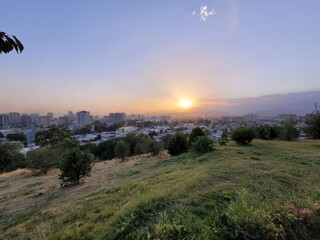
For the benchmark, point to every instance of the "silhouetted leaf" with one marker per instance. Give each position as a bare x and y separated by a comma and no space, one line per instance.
12,43
21,47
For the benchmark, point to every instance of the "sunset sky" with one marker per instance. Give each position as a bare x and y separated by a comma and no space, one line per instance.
146,56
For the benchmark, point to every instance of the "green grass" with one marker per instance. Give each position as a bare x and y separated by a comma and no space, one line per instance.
269,190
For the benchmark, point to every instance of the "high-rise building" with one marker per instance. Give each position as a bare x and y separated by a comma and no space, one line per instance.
64,120
26,119
117,118
34,118
14,118
83,118
4,120
43,120
251,118
50,115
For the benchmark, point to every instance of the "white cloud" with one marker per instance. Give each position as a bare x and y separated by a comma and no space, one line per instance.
205,13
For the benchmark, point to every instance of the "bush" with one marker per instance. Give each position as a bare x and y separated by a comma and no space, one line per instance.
76,165
288,132
203,144
105,150
121,150
43,159
313,122
178,144
266,132
195,133
242,135
10,157
155,147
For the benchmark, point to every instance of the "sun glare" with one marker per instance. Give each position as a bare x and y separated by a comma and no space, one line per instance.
185,103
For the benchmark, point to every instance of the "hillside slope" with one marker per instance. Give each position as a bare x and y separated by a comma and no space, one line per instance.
269,190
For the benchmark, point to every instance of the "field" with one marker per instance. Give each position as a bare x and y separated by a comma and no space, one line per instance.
268,190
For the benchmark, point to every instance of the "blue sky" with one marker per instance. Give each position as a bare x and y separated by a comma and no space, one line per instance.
144,56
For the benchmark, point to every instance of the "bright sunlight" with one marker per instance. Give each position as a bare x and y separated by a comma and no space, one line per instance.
185,103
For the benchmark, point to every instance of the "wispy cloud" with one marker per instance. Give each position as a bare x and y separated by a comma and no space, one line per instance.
204,13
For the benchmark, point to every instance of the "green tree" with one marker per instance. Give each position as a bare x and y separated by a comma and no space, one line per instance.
165,141
105,150
85,130
313,122
195,133
43,159
139,149
1,135
242,135
75,165
155,147
19,136
178,144
58,138
288,132
121,149
10,157
203,144
266,132
8,43
131,139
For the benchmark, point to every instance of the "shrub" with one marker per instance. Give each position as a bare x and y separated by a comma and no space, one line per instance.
242,135
313,122
43,159
266,132
288,132
203,144
177,144
195,133
10,157
76,165
155,147
105,150
121,149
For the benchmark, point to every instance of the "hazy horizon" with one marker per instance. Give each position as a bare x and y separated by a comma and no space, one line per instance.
146,57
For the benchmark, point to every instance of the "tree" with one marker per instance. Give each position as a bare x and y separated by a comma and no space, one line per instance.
43,159
76,165
203,144
19,136
10,157
195,133
121,149
131,139
242,135
59,138
1,135
8,43
165,141
313,122
266,132
288,132
105,150
178,144
155,147
139,149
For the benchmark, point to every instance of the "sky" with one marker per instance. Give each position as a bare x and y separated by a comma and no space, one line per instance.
146,56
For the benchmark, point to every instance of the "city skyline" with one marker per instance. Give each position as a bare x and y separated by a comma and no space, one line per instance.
143,57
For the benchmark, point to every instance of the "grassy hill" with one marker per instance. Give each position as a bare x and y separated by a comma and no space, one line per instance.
269,190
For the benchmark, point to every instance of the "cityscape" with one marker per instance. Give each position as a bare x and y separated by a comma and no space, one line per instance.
83,124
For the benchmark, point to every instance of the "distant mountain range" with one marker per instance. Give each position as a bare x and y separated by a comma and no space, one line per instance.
299,103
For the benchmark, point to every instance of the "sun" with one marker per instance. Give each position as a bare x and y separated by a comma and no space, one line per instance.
185,103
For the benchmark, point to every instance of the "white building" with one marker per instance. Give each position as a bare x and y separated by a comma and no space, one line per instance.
83,118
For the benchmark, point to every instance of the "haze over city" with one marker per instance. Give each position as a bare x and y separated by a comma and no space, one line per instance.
161,56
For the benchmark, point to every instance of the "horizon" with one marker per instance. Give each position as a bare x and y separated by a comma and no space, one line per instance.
149,58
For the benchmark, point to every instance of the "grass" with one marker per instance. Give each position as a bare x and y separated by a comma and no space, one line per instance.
269,190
